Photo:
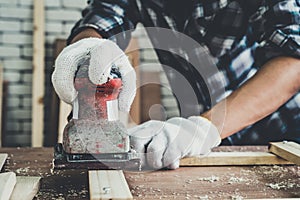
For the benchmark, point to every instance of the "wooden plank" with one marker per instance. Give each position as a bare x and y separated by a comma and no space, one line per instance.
64,111
4,111
287,150
150,95
7,182
108,184
133,53
234,158
26,188
38,78
3,157
52,130
1,97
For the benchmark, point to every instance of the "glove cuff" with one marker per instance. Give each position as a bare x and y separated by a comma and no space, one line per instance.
209,127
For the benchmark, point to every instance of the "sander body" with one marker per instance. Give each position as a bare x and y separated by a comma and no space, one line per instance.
95,138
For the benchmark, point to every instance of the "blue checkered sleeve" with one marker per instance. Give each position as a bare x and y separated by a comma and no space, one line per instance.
109,18
281,29
241,35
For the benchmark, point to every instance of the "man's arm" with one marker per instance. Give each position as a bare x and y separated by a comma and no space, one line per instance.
276,82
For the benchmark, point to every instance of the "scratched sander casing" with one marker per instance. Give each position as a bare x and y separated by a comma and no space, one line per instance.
95,138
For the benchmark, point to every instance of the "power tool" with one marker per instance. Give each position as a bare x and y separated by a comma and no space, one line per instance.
95,138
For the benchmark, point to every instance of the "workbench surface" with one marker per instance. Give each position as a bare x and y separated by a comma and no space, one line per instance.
222,182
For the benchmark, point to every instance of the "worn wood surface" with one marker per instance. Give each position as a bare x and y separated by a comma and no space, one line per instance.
210,182
287,150
108,185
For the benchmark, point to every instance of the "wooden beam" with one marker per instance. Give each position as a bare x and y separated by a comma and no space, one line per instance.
1,97
234,158
26,188
3,157
133,53
108,184
64,111
7,184
38,79
287,150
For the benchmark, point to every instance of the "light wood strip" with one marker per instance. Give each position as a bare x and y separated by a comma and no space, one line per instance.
64,111
234,158
38,78
108,184
287,150
25,188
7,183
1,100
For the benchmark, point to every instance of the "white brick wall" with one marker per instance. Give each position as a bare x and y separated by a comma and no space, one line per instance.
10,2
16,28
9,51
19,38
10,26
66,15
15,13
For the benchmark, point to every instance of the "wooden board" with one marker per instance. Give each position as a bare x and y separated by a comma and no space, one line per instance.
26,188
1,97
133,53
287,150
206,182
64,111
3,157
38,78
108,184
7,183
234,158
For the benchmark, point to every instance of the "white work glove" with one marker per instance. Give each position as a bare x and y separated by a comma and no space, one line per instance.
162,144
103,54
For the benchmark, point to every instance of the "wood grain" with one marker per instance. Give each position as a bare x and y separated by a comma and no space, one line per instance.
64,111
206,182
108,184
7,183
234,158
287,150
26,187
1,97
38,77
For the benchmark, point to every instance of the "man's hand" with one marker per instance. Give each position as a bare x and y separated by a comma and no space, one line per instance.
103,54
162,144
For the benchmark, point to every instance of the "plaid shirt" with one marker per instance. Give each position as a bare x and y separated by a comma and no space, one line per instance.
241,36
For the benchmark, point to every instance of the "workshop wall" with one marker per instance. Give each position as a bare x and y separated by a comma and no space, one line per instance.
16,36
16,50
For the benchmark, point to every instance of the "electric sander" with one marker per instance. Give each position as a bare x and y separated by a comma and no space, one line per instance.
95,138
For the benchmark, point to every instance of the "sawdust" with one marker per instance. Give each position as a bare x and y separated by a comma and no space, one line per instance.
283,184
22,170
209,179
236,180
237,197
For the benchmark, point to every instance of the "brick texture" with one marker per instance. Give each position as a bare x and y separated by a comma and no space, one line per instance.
16,53
16,40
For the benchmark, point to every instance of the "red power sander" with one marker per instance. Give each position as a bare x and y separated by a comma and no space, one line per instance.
95,138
